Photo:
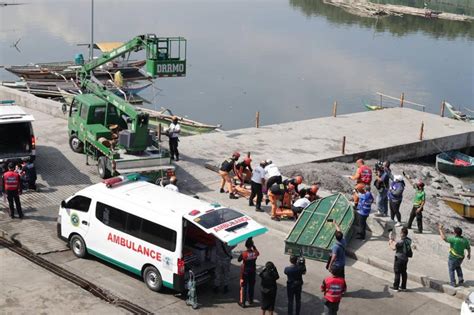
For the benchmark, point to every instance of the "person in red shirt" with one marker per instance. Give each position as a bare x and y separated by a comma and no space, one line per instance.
362,177
12,187
247,272
333,287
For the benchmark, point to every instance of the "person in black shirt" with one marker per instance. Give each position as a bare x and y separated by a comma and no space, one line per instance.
226,167
269,277
294,284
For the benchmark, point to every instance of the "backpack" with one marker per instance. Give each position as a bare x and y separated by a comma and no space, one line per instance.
407,248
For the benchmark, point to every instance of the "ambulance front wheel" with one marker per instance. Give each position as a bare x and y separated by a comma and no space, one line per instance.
152,278
78,246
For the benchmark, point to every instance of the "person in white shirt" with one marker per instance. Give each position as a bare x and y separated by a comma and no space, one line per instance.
172,185
272,176
173,134
256,182
299,205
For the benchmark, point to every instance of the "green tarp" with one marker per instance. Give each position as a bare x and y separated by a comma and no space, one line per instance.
312,235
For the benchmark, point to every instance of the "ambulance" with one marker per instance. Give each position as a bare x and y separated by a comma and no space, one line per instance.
155,233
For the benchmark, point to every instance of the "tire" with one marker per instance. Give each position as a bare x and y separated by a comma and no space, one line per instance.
78,246
76,144
152,278
102,169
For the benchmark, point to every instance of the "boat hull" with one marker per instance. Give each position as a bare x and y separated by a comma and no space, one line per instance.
463,208
445,165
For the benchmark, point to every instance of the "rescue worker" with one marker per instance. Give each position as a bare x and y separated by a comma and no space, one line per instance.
173,133
12,187
418,204
172,185
294,284
272,176
333,287
363,210
275,194
247,272
222,271
296,181
256,182
362,177
395,197
226,167
29,170
243,170
299,205
311,191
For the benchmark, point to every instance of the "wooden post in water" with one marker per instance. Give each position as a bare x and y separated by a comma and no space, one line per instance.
159,132
344,145
402,98
421,130
334,109
443,105
257,119
381,100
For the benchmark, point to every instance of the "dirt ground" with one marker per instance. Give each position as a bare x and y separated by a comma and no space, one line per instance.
332,177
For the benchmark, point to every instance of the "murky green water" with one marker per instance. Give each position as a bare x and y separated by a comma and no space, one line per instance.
290,60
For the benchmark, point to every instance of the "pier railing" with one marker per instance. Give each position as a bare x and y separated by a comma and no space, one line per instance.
400,100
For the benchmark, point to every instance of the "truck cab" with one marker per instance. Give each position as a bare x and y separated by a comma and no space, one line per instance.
17,140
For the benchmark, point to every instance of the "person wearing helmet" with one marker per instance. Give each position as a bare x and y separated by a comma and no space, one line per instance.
395,197
418,204
295,181
243,170
226,167
12,187
311,191
173,134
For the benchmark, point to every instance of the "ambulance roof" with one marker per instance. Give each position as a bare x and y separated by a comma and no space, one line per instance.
154,198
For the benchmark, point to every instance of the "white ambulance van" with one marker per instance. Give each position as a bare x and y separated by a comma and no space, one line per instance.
150,231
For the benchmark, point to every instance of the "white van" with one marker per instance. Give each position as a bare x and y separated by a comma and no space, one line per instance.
151,231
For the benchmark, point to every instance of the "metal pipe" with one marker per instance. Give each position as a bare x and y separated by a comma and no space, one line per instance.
91,48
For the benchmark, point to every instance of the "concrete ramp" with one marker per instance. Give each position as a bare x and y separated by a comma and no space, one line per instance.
385,134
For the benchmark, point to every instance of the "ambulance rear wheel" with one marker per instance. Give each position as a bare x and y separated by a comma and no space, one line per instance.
152,278
78,246
102,169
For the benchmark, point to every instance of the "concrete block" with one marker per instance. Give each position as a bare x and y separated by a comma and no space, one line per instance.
463,293
446,288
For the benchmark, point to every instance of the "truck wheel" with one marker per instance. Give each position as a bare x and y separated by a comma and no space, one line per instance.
76,144
152,278
78,246
104,172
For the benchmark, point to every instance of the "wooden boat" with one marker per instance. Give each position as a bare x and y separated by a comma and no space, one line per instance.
458,115
462,206
188,127
373,107
455,163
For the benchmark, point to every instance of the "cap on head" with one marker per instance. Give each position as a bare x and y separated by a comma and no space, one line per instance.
398,178
420,184
11,166
298,179
236,155
247,161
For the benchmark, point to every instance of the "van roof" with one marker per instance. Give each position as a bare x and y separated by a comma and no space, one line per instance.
147,196
13,113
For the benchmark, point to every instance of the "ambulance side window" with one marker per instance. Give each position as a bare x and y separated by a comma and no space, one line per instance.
111,216
79,203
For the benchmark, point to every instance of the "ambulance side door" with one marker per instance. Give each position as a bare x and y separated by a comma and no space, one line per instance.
77,218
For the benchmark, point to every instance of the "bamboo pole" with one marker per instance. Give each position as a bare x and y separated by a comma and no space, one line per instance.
381,100
344,145
257,119
159,132
334,109
402,98
443,105
421,130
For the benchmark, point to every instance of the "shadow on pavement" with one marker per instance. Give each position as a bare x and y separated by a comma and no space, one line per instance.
369,295
47,166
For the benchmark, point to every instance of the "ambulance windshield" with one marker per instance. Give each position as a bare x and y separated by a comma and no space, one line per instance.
214,218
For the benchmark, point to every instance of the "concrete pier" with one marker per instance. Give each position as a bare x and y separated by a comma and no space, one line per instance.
392,134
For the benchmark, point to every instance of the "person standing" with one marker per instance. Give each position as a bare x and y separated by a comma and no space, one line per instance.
382,183
12,187
222,271
333,287
226,167
403,252
247,273
256,182
269,276
395,197
172,185
362,177
458,244
173,134
337,262
294,284
418,204
363,210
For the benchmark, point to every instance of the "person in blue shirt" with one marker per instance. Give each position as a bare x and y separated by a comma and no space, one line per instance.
294,285
363,210
337,261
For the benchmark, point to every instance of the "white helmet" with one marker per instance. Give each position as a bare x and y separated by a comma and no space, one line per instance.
398,178
269,161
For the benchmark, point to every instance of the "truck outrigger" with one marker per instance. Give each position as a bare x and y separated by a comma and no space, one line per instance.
110,129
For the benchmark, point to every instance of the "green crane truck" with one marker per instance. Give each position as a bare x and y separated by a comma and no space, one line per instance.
112,131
